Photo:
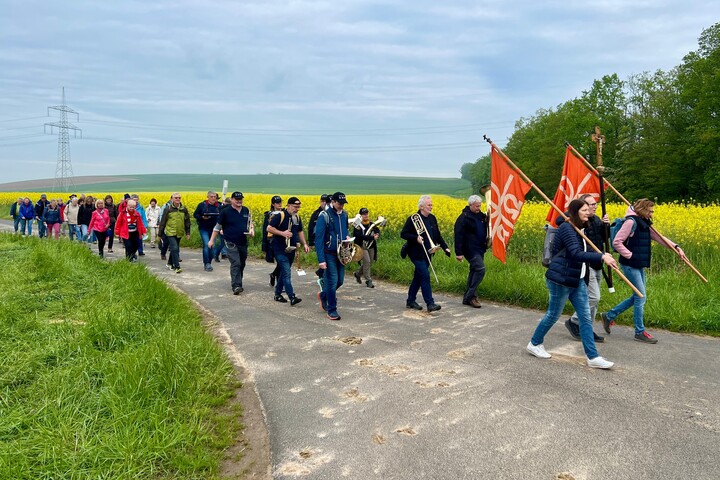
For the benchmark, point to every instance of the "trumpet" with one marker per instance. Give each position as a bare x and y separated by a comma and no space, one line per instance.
420,229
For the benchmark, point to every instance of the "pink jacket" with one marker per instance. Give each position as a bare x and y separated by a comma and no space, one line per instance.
100,220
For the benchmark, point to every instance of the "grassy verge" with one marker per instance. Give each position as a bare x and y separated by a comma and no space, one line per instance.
105,372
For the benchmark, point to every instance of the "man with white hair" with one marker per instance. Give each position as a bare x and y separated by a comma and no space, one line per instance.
471,244
419,245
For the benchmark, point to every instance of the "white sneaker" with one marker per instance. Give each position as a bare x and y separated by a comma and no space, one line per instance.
538,351
599,362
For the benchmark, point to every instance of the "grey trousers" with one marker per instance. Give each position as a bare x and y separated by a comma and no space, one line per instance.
366,263
475,276
593,292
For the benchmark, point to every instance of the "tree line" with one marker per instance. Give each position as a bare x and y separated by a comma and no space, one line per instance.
662,131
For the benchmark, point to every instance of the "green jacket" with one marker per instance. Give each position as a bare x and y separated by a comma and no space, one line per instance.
175,222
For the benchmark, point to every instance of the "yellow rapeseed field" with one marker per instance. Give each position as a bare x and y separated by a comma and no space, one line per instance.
692,225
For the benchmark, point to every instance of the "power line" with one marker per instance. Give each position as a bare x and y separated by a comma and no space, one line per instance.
63,170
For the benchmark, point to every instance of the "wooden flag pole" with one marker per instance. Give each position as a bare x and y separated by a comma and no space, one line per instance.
562,214
664,239
599,140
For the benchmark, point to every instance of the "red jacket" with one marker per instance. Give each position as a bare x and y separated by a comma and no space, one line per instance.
99,221
121,226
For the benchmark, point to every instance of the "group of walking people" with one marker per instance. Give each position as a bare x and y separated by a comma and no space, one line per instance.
574,272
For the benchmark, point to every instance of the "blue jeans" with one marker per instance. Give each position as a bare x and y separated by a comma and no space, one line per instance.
74,231
559,296
42,229
333,279
84,233
207,254
284,280
174,248
421,281
23,223
637,278
16,224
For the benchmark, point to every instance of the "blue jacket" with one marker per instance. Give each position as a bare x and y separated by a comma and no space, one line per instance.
27,211
639,245
329,228
568,257
51,216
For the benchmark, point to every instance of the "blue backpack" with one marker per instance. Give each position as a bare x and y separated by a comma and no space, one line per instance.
617,224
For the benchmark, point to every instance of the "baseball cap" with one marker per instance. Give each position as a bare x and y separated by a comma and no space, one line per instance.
324,197
364,211
276,199
43,196
237,195
294,201
339,197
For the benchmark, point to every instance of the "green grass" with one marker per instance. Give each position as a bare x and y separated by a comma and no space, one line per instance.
105,372
298,184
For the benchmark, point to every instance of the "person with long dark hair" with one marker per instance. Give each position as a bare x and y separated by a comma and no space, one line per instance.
566,278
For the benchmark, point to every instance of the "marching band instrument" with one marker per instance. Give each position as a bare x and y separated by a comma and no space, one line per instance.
346,250
380,222
420,229
299,270
358,255
356,222
251,225
288,246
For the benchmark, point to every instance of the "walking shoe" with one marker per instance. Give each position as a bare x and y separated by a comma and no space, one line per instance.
237,290
142,254
280,298
598,338
473,302
163,257
323,303
217,258
433,307
178,270
272,280
169,267
357,276
223,256
599,362
370,284
537,350
208,267
413,305
179,259
152,245
333,316
645,337
607,323
573,328
110,250
294,300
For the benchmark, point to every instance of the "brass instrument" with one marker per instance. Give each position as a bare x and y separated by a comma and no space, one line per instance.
356,222
358,255
251,225
346,250
380,222
420,229
288,247
299,270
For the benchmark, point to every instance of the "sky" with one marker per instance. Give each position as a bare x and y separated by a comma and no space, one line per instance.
356,87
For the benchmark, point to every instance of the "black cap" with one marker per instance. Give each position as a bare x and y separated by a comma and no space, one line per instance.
276,199
339,197
237,195
325,197
126,196
364,211
294,201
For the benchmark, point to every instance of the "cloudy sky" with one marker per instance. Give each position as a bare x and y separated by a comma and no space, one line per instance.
338,86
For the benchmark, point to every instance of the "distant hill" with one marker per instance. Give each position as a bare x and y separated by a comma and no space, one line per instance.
269,183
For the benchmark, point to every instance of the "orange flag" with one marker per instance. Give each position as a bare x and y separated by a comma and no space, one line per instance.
507,199
576,180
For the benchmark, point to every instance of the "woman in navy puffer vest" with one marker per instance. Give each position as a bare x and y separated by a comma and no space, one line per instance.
566,279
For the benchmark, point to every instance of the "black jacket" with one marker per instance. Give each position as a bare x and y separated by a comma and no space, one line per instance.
416,251
470,233
568,257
